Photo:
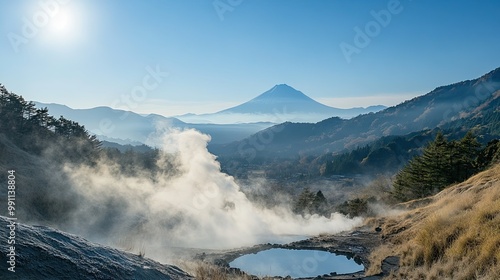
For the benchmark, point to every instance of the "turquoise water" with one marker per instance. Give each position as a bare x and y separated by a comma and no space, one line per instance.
296,263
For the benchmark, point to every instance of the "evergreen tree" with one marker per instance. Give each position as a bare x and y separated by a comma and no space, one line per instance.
425,174
304,202
435,165
34,130
441,164
320,203
489,155
310,203
354,208
469,149
409,181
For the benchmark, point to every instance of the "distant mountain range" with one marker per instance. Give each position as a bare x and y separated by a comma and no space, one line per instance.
125,127
460,103
279,104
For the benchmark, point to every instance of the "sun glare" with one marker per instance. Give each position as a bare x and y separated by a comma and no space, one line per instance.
64,27
62,22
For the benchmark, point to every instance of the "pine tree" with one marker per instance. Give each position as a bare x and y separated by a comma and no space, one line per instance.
490,154
320,204
441,164
34,129
425,174
435,165
469,149
409,183
304,202
310,203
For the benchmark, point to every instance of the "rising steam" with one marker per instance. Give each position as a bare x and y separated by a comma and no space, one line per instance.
196,206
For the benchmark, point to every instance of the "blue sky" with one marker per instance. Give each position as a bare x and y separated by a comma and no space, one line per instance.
225,52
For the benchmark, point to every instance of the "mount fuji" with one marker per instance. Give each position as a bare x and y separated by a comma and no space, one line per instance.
279,104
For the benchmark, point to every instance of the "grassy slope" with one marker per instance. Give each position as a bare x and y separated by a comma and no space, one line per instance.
452,235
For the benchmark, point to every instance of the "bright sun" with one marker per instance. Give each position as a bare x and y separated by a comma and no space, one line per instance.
63,29
61,23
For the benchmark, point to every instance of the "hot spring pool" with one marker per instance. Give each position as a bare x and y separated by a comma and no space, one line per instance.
296,263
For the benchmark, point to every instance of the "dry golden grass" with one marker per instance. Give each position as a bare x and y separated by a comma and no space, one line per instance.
453,235
211,272
205,271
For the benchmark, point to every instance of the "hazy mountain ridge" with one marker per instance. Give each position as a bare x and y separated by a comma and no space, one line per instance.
389,153
277,105
440,106
128,127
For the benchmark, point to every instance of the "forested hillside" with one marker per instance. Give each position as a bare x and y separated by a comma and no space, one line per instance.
34,130
39,146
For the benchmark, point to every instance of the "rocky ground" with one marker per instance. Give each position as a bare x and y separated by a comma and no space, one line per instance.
46,253
356,244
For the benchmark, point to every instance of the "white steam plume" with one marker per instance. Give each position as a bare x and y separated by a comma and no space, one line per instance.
198,207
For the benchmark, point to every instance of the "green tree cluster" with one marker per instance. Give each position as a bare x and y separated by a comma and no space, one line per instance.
310,203
489,155
354,207
442,163
33,129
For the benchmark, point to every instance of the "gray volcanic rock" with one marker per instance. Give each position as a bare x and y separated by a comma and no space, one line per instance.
46,253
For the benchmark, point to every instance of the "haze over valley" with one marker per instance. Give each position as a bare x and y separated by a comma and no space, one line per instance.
280,104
